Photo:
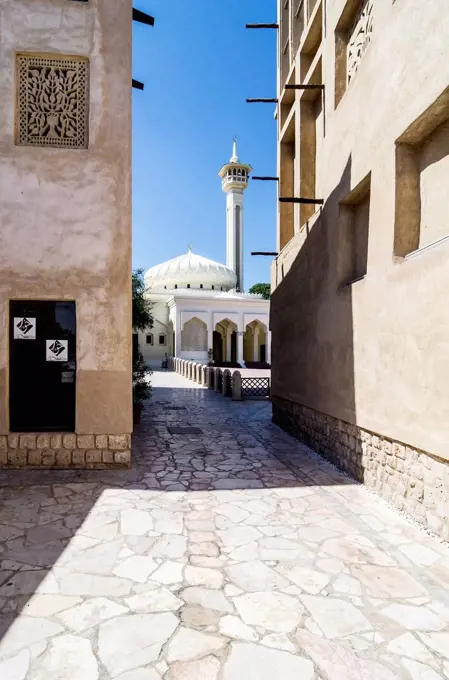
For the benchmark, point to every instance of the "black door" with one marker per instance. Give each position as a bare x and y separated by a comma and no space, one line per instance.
42,366
234,347
218,348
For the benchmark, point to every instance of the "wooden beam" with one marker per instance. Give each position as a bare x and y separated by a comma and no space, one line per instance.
142,17
262,101
137,85
304,87
266,179
275,26
304,201
265,254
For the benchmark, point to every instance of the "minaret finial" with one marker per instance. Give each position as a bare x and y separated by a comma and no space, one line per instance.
234,158
190,247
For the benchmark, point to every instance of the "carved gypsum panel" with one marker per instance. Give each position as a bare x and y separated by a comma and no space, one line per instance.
52,101
360,37
194,336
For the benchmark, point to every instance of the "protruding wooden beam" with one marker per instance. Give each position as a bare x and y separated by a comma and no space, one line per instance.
275,26
304,201
265,254
142,17
137,85
266,179
262,101
304,87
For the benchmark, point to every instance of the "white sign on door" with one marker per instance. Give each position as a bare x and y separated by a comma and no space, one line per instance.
57,350
24,328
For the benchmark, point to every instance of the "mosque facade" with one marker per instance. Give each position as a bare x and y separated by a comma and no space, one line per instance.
199,306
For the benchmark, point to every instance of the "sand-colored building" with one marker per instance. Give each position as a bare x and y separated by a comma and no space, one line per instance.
359,313
65,233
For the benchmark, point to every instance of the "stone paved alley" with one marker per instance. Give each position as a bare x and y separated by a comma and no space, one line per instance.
234,554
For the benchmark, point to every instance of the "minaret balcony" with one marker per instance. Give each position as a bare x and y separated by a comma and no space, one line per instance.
235,179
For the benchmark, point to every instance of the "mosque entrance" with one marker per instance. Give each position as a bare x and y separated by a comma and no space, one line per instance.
42,366
225,342
218,348
254,343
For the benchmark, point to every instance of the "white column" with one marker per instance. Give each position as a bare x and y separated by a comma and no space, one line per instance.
177,327
210,331
240,347
268,347
256,344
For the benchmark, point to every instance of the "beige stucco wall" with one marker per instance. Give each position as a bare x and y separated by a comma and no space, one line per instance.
65,215
375,353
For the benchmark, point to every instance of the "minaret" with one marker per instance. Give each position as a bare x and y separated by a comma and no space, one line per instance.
234,180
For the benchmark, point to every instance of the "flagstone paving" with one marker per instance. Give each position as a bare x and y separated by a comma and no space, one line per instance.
233,554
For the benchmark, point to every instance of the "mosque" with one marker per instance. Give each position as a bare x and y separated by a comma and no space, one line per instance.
200,309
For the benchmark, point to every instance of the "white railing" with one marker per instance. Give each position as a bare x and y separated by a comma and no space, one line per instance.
221,381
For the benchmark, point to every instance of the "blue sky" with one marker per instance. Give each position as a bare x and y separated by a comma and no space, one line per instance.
199,63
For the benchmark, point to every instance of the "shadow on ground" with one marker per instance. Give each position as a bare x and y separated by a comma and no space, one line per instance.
159,570
47,516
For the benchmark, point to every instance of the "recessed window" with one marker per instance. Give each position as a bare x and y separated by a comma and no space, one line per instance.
352,38
422,165
213,287
353,227
201,285
287,187
149,339
162,339
298,22
188,285
176,285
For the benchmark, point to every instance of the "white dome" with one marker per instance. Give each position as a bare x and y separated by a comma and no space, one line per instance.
190,271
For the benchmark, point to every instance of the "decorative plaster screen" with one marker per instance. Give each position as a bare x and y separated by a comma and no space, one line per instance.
360,37
194,336
53,101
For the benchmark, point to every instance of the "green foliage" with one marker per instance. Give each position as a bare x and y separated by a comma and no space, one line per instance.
263,289
141,307
141,320
141,382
